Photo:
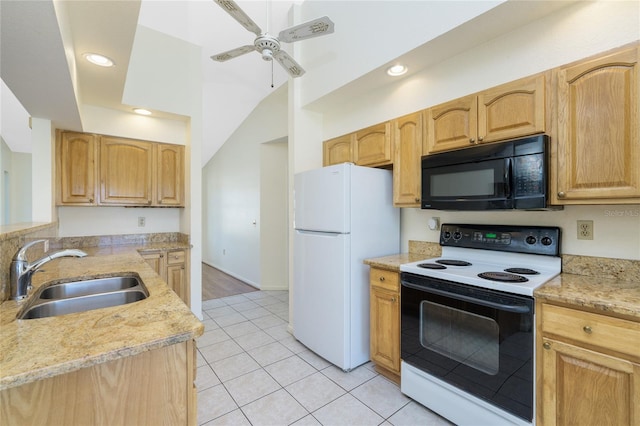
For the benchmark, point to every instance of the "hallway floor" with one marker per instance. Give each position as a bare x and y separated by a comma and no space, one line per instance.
251,371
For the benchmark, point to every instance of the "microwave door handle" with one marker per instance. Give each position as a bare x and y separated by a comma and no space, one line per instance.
518,309
507,177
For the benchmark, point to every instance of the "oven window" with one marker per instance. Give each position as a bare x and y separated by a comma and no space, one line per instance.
465,337
463,183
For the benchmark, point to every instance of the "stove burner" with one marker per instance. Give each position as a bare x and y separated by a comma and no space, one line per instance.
431,266
503,277
523,271
453,262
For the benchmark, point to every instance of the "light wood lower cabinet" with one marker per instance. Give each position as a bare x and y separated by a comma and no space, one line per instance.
385,322
588,368
152,388
172,266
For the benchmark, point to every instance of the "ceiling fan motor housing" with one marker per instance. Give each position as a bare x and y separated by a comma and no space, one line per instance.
267,46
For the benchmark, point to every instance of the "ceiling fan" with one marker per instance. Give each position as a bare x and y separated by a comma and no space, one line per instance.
268,45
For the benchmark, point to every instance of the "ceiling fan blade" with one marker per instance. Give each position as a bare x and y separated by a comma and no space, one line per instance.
233,53
232,8
293,68
315,28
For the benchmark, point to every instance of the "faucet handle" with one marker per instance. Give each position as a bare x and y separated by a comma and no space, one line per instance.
22,253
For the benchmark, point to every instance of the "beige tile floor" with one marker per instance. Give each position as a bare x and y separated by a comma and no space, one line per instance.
252,371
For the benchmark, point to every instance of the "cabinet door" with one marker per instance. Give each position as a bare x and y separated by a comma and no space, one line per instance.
76,169
170,175
598,152
407,135
452,125
176,280
512,110
126,171
337,150
372,146
385,329
157,262
584,387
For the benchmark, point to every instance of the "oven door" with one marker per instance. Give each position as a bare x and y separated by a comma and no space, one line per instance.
477,340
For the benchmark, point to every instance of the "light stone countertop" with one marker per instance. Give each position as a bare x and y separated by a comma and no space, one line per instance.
35,349
607,295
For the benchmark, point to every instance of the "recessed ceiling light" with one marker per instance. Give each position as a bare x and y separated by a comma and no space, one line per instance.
99,60
397,70
142,111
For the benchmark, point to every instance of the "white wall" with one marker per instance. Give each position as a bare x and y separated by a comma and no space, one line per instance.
580,30
231,192
274,196
15,186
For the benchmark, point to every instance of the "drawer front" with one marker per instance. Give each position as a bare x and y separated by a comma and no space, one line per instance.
384,279
175,257
612,333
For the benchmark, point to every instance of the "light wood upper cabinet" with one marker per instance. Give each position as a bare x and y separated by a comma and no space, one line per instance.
126,170
512,110
588,368
76,169
110,171
452,125
407,142
598,146
169,174
373,146
504,112
337,150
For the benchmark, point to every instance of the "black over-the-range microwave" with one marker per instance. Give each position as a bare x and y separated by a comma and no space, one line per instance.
498,176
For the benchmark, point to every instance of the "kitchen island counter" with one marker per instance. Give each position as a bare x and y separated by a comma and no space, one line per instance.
36,349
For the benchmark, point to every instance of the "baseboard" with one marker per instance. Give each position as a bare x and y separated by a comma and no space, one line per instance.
244,280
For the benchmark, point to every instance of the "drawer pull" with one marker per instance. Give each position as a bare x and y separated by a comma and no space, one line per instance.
587,329
546,345
381,278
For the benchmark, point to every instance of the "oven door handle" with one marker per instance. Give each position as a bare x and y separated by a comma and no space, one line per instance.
519,309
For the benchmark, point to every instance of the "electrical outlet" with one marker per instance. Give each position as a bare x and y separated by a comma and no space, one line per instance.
585,230
141,221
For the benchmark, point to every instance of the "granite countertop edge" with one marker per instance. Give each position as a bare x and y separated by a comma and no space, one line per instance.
32,350
605,295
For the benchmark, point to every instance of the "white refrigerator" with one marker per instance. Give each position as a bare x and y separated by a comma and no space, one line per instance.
343,214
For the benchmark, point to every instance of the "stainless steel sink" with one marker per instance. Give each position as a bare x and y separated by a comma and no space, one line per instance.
84,295
86,287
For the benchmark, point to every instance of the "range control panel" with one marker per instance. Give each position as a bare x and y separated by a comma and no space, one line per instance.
513,238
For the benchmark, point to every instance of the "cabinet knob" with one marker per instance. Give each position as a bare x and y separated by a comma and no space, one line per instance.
472,141
149,202
546,345
381,278
561,194
587,329
480,139
91,200
393,299
417,200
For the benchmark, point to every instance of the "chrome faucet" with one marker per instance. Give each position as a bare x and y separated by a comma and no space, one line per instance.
22,271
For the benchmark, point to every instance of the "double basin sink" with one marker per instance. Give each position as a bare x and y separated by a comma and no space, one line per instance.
84,295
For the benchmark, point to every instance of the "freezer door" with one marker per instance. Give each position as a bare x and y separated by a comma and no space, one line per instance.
321,199
321,295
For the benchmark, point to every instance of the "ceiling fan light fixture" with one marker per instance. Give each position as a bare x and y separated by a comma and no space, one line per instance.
142,111
100,60
397,70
